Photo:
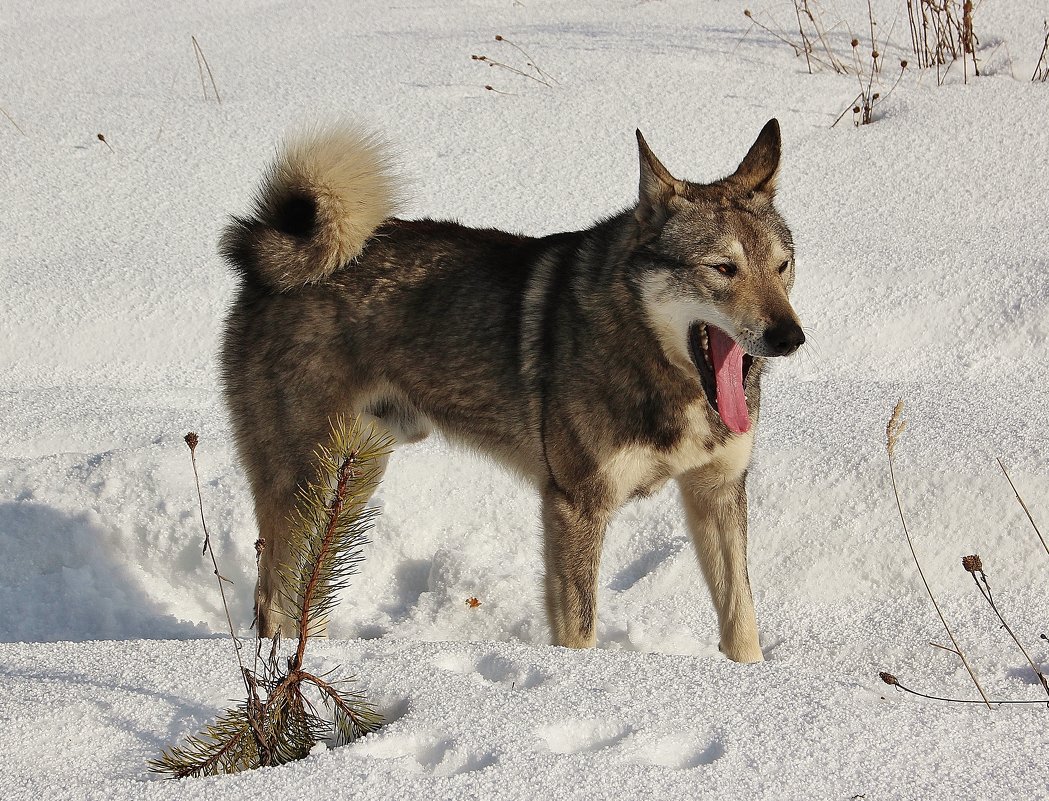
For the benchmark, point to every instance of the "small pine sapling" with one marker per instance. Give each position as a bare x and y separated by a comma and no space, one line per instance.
278,721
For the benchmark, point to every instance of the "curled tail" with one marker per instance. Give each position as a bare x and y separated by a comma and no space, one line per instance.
319,203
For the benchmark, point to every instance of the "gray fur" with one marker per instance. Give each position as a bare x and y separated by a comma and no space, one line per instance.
562,356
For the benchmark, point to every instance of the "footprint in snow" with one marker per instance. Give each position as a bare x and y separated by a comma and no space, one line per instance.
493,668
679,753
424,752
583,736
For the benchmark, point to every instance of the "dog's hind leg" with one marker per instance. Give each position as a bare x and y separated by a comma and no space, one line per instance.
717,515
572,552
276,495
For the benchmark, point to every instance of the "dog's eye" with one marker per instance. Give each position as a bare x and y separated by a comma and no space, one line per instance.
783,267
726,268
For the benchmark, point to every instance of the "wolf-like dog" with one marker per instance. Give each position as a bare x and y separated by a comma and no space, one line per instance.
598,364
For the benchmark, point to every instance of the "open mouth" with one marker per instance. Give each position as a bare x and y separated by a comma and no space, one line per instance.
723,367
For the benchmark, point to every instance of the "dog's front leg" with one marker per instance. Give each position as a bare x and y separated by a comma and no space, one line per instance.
572,551
717,517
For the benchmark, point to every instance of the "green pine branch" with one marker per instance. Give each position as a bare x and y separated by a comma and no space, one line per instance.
277,722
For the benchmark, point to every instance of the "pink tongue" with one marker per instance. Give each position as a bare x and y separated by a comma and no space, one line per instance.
728,374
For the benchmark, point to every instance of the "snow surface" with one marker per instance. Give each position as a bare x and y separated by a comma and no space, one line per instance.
923,272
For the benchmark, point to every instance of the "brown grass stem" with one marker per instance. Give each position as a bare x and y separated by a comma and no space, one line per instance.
191,440
891,680
973,565
893,430
493,63
1027,511
202,65
531,62
804,39
11,120
1041,68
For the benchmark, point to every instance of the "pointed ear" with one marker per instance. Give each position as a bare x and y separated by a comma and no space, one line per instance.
760,167
658,187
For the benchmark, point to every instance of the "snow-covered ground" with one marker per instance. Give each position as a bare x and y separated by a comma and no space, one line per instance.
923,272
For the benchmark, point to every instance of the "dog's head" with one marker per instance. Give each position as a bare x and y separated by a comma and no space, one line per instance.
714,263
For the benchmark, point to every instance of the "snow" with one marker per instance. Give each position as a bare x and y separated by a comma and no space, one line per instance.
922,273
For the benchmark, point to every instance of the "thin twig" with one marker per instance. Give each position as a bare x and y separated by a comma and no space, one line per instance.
747,13
202,58
846,111
12,120
1024,505
804,39
893,431
530,61
888,678
191,440
974,565
1041,68
492,63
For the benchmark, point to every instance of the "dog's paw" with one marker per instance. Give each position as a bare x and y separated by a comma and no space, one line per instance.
745,653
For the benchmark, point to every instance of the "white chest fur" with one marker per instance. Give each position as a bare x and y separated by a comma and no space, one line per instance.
638,470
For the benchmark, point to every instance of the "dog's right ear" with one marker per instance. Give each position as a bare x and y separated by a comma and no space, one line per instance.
658,187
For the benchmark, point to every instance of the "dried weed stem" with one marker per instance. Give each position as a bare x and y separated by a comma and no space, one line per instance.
895,428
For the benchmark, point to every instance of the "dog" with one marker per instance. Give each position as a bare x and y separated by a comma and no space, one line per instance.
598,364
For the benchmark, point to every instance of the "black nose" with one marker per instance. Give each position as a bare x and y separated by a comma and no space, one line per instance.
784,337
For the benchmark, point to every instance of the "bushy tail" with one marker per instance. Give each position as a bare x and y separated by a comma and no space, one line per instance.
319,203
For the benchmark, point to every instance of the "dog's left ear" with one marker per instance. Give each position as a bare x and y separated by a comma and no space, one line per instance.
658,187
760,167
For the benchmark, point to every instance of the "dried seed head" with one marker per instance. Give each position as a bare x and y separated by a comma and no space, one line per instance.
260,546
477,58
876,95
473,603
855,42
498,38
903,64
888,678
972,564
855,109
897,425
746,12
489,88
191,440
875,54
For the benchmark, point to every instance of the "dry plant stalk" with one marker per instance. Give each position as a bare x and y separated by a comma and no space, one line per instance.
810,28
1023,505
202,66
942,33
895,428
11,120
973,565
540,75
278,721
1041,69
192,441
892,681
